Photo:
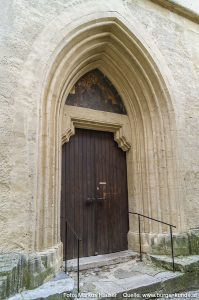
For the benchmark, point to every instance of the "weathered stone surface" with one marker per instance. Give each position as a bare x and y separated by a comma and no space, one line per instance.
131,278
99,261
20,271
182,263
23,23
153,59
54,289
142,279
194,241
162,244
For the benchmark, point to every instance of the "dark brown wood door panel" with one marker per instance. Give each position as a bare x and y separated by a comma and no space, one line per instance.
94,193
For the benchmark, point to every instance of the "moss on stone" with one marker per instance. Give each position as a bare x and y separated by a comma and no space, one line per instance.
194,241
20,271
162,245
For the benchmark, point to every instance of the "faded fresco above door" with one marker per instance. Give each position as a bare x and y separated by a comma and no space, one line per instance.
94,90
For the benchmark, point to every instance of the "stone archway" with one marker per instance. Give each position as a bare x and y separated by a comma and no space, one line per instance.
108,44
116,46
96,135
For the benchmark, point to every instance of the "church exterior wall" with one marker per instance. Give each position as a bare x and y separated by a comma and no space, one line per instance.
177,39
25,28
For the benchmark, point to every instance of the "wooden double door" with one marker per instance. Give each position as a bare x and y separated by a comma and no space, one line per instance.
94,194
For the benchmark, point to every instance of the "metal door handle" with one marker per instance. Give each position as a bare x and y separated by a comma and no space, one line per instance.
100,200
90,200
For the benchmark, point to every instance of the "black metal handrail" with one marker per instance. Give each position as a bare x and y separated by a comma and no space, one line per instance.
159,221
67,224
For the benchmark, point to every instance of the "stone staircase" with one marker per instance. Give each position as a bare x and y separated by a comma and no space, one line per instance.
120,275
130,277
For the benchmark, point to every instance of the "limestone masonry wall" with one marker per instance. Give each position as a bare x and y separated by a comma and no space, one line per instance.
178,41
23,22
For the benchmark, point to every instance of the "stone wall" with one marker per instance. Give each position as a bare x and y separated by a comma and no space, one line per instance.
26,26
178,41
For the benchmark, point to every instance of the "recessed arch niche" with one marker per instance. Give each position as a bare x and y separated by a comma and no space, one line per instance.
111,44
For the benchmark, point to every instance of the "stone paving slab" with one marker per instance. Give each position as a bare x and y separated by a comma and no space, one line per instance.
182,263
132,276
101,260
54,289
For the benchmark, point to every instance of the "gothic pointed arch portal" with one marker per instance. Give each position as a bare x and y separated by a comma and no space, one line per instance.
94,197
113,45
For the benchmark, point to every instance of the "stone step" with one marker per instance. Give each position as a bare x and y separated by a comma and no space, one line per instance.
128,279
55,289
132,279
99,261
182,263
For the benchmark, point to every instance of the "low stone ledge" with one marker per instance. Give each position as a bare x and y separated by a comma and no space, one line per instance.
54,289
182,264
19,271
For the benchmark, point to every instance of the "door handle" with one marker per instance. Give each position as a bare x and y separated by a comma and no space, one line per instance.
90,201
100,200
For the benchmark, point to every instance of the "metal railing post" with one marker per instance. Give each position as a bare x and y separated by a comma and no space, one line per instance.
68,225
172,251
78,268
156,220
140,239
66,244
